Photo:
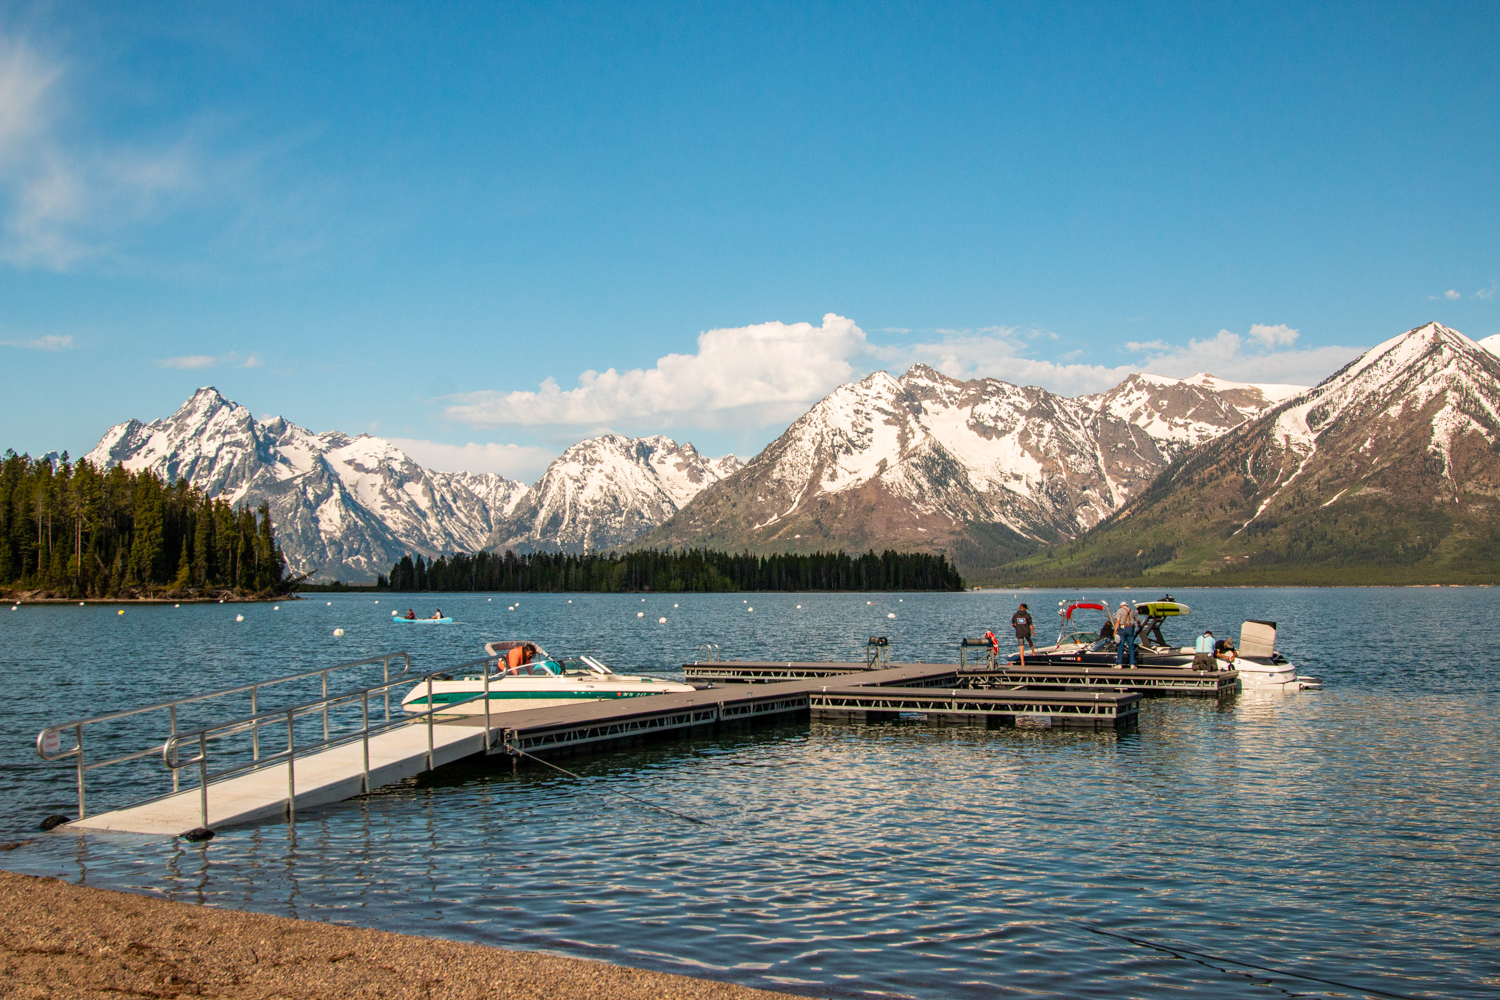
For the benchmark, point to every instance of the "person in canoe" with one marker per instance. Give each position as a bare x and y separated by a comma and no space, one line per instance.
410,615
437,614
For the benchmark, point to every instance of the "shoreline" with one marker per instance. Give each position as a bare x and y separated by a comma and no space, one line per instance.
11,598
61,939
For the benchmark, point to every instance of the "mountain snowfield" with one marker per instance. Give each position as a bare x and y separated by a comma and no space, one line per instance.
348,507
975,468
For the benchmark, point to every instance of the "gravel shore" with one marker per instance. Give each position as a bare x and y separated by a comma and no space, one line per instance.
62,940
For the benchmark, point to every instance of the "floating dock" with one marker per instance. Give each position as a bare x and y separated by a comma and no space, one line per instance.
1151,681
342,766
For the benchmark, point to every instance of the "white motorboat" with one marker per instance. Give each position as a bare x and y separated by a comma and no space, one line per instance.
1260,666
541,682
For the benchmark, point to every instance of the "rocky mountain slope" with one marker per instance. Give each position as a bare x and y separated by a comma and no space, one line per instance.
607,492
1388,470
344,507
983,470
348,507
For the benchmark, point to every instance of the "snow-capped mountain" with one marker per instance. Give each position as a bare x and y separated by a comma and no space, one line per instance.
348,507
344,507
608,491
973,468
1390,465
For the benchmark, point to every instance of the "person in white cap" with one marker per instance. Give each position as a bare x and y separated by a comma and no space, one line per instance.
1125,625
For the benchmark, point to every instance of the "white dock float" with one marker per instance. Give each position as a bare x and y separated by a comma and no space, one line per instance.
320,778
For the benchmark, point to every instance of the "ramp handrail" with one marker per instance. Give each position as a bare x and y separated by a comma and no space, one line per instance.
48,741
289,716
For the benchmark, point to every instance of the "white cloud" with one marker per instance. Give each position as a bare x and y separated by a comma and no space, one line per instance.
999,352
1451,295
1488,293
1279,335
50,342
765,374
193,361
513,461
60,201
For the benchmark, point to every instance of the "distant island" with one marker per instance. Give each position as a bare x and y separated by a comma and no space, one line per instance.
71,531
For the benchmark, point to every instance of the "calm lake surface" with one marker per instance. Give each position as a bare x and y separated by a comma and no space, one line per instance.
1348,835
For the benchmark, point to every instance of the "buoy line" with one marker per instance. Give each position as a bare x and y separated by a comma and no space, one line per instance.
1171,948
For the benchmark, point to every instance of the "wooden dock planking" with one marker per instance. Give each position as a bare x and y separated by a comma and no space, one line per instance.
1156,681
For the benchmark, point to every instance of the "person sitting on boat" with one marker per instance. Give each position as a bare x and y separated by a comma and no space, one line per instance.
411,615
1203,653
1224,650
437,615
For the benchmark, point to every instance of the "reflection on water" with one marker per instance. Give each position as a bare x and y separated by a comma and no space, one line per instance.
1346,834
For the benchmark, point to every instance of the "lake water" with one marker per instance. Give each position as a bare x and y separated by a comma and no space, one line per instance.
1347,835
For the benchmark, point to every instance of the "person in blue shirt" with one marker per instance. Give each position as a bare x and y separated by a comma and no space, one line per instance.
1203,653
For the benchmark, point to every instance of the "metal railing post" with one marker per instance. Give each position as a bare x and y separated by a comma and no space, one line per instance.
431,710
387,665
255,726
486,707
173,736
78,732
202,774
325,705
291,777
365,737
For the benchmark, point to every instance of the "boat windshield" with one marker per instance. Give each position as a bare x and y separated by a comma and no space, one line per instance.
584,665
540,668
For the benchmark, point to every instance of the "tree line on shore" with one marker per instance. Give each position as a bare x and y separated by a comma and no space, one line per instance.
678,571
69,529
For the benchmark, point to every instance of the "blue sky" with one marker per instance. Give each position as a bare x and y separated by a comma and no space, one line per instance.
439,223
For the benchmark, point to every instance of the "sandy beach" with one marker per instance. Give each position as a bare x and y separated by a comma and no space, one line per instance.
62,940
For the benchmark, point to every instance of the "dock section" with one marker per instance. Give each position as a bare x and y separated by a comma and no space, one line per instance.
1149,681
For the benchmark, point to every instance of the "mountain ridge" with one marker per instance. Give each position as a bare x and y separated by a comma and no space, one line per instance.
1387,471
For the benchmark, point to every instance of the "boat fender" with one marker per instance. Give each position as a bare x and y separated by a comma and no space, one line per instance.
198,835
54,821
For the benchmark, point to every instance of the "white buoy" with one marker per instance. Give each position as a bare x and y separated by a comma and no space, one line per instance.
489,600
238,618
221,600
330,604
674,605
121,611
661,621
338,631
752,609
377,602
80,604
275,607
869,602
799,607
643,600
900,600
891,615
640,614
393,614
570,602
175,605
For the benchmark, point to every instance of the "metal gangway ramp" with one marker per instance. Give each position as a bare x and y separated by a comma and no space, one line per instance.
270,763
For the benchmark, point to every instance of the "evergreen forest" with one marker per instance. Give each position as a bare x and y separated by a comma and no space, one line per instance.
681,571
71,530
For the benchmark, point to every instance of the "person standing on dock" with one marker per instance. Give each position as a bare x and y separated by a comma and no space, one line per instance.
1203,653
1021,622
1125,625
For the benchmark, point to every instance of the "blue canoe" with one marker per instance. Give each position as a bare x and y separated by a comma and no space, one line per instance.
422,621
